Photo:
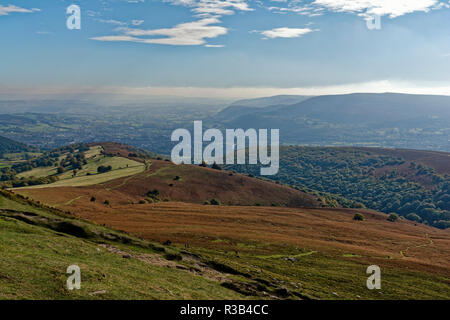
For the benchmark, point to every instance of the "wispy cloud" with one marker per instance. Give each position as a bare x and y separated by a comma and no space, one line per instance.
184,34
204,8
208,13
112,21
284,32
6,10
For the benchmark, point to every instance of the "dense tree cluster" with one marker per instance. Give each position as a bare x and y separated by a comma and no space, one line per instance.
352,174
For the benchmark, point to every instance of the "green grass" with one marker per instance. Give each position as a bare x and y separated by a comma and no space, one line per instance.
320,275
38,172
34,260
93,152
35,257
117,163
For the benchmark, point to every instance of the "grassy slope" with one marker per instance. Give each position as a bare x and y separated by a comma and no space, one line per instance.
331,251
35,258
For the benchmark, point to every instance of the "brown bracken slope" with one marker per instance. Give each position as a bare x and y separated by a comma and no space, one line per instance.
185,183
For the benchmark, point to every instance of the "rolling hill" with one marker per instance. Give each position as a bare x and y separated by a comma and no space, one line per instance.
168,229
136,179
382,120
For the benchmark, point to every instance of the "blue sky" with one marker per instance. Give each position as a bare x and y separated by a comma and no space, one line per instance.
226,48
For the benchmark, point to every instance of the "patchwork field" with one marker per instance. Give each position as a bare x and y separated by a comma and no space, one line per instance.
88,175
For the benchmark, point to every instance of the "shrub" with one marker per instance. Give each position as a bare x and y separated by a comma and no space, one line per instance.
393,217
215,202
358,217
103,169
93,199
106,202
414,217
153,194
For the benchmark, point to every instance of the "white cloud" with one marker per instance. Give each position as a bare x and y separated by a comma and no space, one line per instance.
185,34
363,8
214,45
285,32
6,10
391,8
204,8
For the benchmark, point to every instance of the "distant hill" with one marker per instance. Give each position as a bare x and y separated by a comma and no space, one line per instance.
372,108
270,101
11,146
252,106
383,120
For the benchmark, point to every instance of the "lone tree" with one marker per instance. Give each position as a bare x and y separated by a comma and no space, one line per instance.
393,217
358,217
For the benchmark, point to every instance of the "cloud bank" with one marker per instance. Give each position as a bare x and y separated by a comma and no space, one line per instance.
363,8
